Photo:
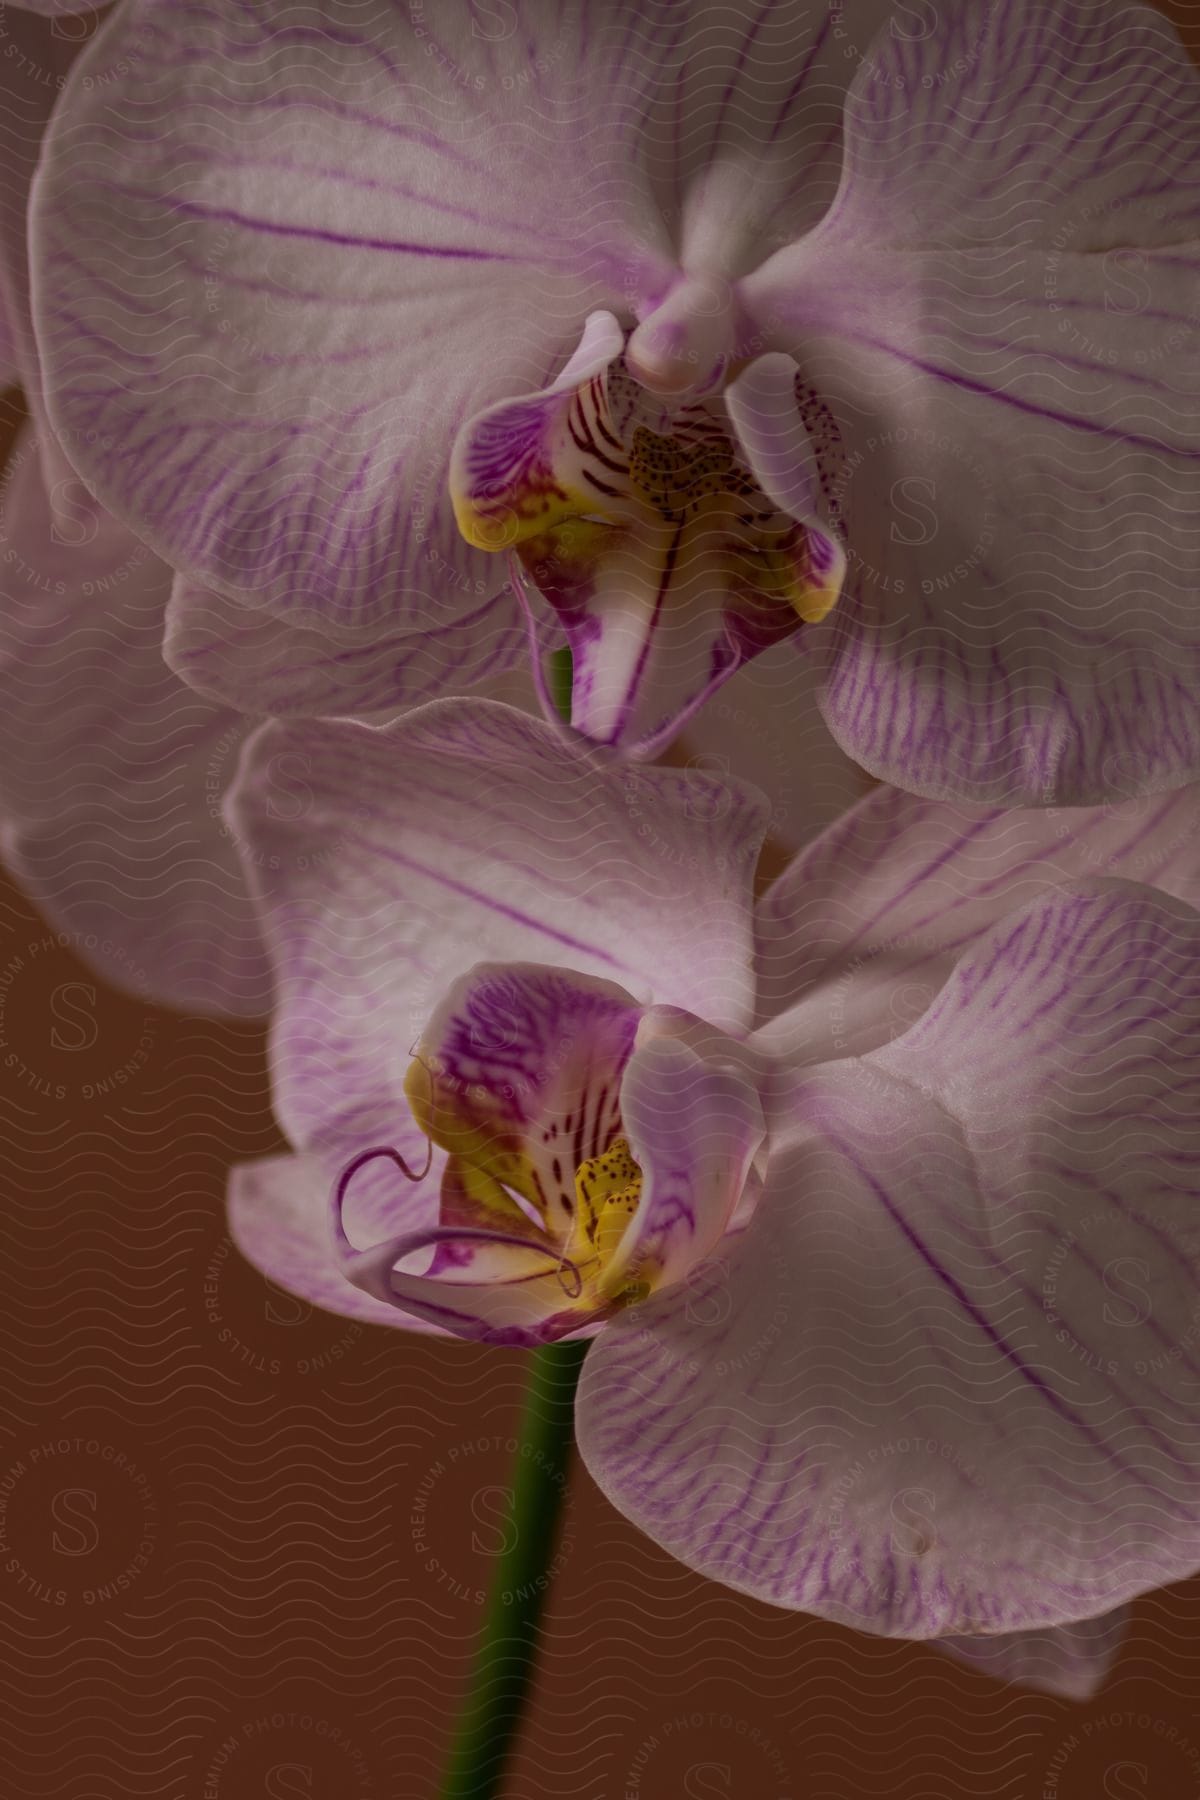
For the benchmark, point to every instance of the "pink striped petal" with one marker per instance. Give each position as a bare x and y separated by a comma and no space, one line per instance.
999,316
945,1382
250,658
860,933
330,231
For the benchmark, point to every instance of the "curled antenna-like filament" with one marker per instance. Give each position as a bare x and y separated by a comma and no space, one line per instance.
341,1186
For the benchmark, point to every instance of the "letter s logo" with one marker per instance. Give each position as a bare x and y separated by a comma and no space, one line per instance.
909,1001
1124,272
282,1308
912,1513
489,1505
1135,1306
501,15
74,29
495,1012
289,1781
72,1003
919,492
914,24
75,1509
702,1779
703,798
284,282
286,773
709,1302
1119,1779
73,522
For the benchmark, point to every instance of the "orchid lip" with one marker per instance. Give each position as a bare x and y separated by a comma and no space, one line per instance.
624,495
393,1251
613,1174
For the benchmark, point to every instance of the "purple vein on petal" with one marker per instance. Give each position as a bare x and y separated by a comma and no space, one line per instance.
224,215
1029,1375
1093,427
489,901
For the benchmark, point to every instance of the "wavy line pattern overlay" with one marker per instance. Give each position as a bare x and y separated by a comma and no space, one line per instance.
245,1545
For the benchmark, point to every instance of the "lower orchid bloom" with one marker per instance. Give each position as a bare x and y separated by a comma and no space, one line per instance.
878,1198
861,327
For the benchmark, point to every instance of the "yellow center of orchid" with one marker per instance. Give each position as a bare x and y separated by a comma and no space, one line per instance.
607,1191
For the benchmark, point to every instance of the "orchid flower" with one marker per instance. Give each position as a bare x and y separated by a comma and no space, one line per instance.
111,770
868,328
877,1198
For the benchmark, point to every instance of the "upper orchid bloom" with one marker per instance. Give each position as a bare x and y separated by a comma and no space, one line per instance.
880,1197
869,326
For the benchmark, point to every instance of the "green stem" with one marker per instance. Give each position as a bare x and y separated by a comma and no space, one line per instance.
504,1662
508,1644
559,676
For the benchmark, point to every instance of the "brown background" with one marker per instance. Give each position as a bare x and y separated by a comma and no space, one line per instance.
243,1544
